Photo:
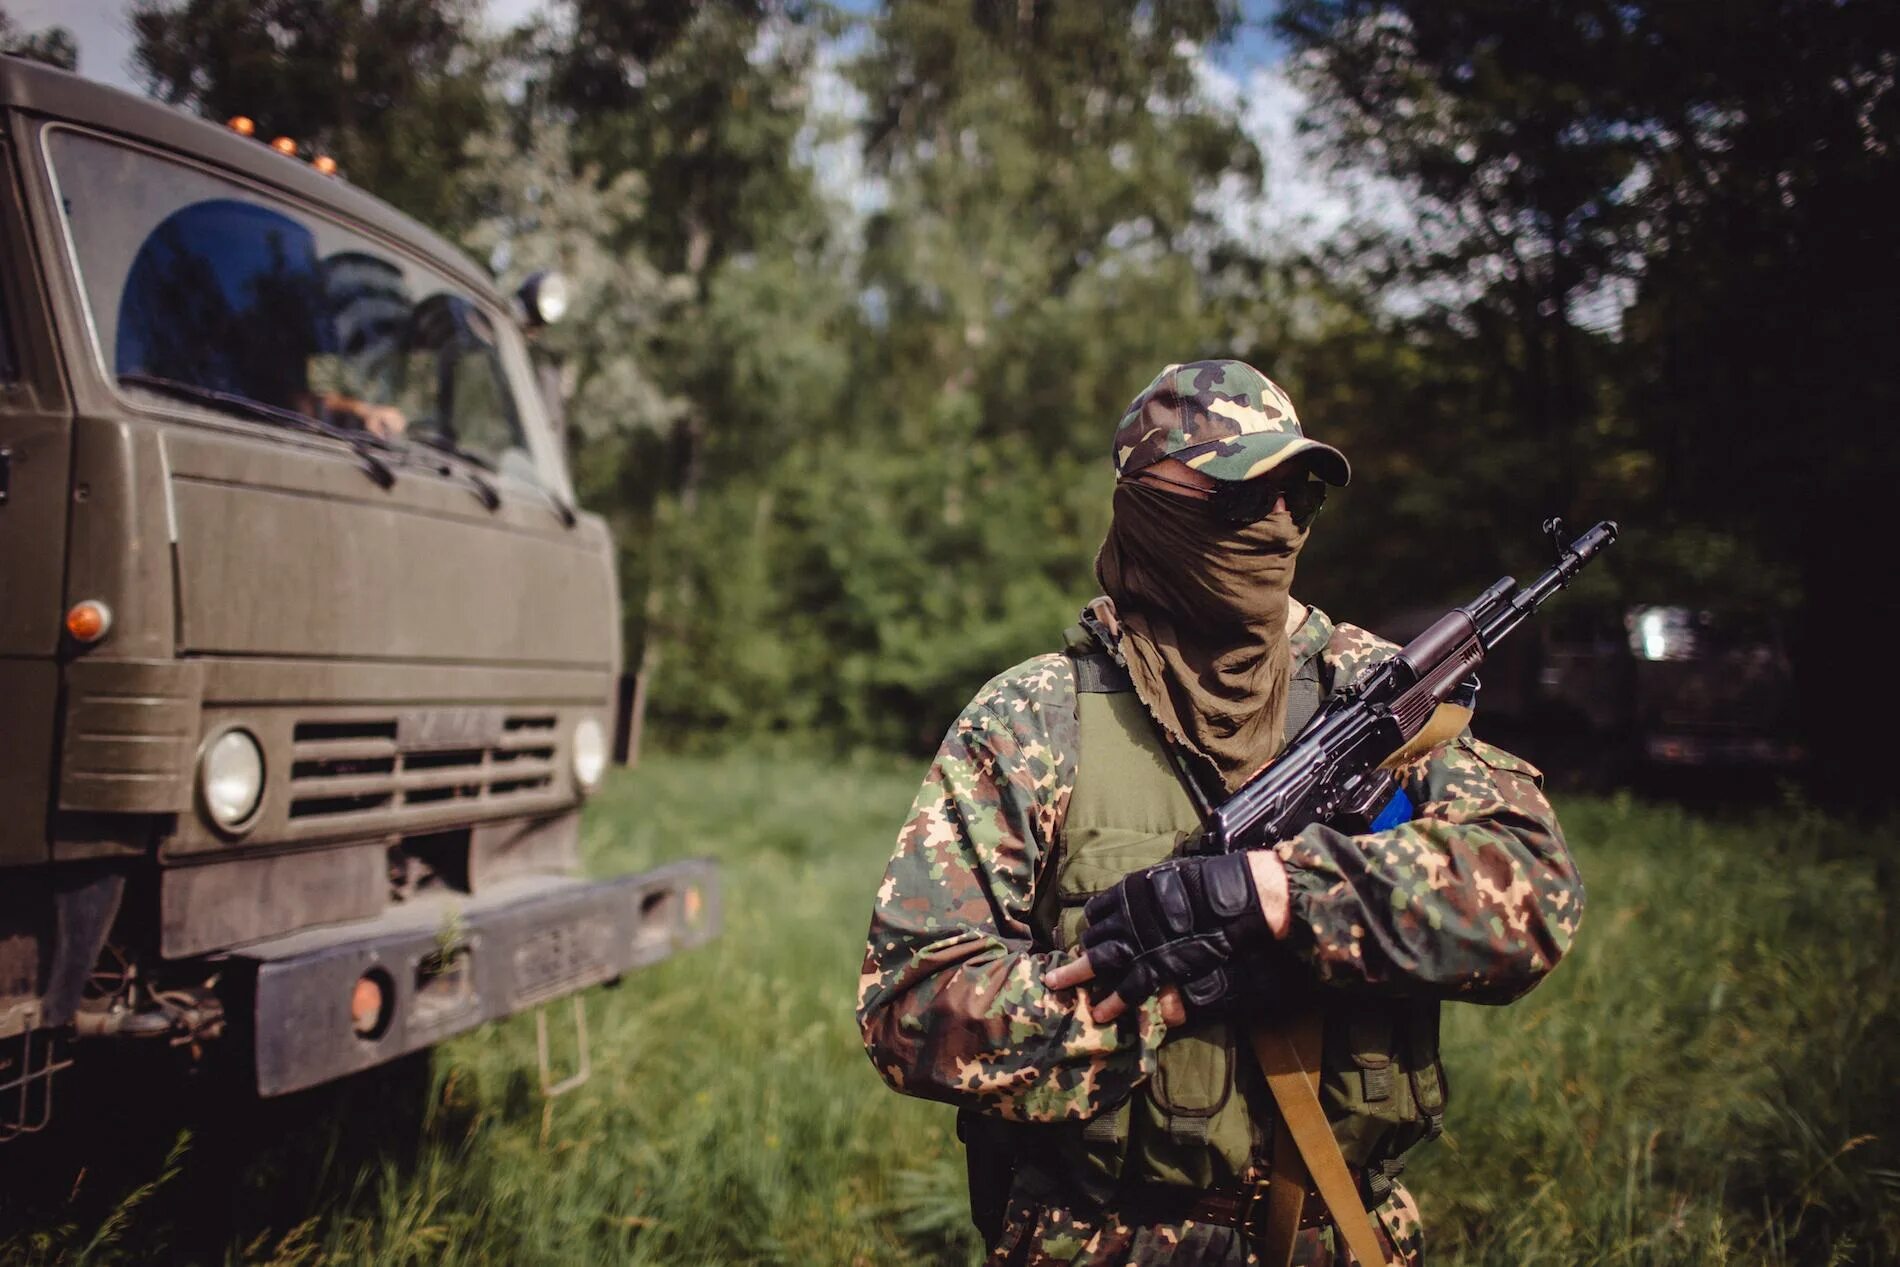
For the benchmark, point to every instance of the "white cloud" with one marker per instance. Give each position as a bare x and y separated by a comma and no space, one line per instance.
103,30
504,15
1307,200
831,140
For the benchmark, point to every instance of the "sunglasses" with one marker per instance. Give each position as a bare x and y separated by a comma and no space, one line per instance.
1243,502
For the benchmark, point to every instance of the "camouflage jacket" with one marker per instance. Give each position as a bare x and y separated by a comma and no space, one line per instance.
1474,899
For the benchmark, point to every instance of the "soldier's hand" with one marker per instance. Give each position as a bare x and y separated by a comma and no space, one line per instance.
1174,924
1076,971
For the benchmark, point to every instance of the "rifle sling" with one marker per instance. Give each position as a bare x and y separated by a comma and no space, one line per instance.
1289,1055
1306,1150
1446,722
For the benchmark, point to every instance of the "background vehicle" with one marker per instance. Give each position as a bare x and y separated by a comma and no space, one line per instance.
1713,689
306,659
1604,694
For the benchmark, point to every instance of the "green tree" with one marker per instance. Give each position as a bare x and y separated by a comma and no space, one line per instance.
1508,127
1051,167
706,103
391,89
53,45
1045,226
1766,320
1736,163
704,108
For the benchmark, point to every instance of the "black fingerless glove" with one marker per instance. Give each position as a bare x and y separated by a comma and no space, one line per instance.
1181,922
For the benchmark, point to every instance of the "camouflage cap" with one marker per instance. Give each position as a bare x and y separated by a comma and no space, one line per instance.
1223,418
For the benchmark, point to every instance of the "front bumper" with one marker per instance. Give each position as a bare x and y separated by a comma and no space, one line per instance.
1685,749
445,965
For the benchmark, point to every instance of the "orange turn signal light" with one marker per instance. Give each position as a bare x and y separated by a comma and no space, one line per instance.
369,1005
241,124
324,164
89,620
284,145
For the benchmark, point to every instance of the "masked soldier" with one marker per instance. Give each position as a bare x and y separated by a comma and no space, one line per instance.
1048,953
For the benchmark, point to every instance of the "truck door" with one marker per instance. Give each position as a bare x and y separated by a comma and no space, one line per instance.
35,456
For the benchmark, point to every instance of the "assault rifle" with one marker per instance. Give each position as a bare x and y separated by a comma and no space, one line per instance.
1336,770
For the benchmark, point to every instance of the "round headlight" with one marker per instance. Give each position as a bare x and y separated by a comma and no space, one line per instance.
231,778
590,753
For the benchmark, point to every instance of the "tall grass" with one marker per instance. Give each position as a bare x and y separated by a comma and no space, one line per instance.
1709,1079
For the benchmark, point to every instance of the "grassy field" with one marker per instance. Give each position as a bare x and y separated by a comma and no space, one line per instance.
1713,1077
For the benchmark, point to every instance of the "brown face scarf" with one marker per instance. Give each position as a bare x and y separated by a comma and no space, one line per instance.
1202,606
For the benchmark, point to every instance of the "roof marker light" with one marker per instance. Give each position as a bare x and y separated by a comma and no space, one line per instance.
284,145
241,124
324,164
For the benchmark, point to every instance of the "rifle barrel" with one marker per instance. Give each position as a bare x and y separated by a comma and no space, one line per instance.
1527,600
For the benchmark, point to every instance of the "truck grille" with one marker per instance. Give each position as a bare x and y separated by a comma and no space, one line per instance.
369,766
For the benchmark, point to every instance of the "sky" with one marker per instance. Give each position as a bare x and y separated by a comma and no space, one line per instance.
103,30
1306,201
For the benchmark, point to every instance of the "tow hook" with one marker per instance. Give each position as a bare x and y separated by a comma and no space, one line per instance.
181,1019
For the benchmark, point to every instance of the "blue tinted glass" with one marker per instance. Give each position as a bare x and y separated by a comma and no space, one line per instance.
211,295
226,295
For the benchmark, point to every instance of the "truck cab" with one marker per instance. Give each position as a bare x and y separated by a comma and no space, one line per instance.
307,659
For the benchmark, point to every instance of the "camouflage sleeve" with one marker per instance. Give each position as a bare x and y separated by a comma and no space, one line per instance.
951,1002
1476,898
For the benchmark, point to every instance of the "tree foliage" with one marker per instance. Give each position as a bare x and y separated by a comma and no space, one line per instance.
53,45
1733,164
857,449
391,89
1043,171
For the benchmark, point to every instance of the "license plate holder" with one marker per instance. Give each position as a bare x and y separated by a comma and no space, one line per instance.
568,956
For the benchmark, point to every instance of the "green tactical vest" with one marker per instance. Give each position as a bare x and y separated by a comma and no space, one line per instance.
1206,1116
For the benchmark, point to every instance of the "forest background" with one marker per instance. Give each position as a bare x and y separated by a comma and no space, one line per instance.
859,293
861,289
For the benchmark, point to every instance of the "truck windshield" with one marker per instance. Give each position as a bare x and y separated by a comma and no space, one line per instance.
199,282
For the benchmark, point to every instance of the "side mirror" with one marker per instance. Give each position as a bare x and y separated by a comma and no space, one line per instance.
542,298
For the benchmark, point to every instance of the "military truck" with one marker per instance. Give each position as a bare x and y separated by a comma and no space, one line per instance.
1714,690
307,659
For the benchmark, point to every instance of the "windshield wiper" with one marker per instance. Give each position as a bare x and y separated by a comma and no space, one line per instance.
490,495
562,508
363,443
475,464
